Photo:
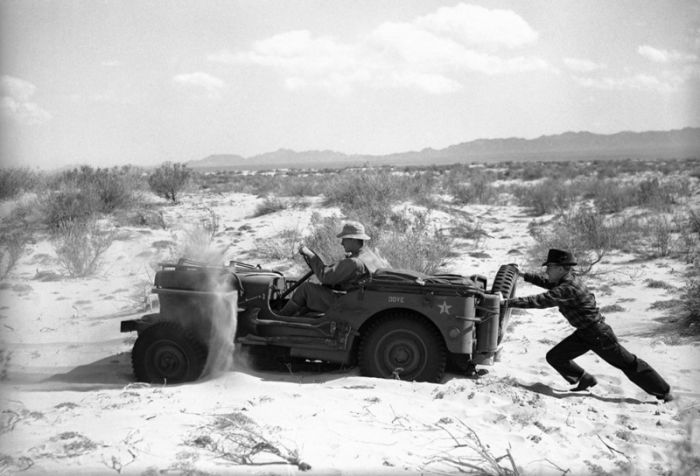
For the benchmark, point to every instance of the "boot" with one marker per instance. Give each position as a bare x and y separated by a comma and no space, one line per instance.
585,382
289,309
667,397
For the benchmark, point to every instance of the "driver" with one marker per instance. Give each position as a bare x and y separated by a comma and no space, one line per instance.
359,263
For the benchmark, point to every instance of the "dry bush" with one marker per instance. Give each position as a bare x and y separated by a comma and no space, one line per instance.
12,245
284,246
269,205
660,234
108,189
661,195
78,195
690,302
14,181
548,196
611,196
584,232
197,243
68,206
368,194
238,439
469,455
169,180
422,250
79,246
694,221
413,243
476,189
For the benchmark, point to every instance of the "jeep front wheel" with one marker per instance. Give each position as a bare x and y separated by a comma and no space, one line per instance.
165,353
402,346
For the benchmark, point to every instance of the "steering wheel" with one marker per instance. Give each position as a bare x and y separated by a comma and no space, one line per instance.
303,279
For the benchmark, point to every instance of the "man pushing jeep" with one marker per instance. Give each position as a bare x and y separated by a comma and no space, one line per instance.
359,263
578,305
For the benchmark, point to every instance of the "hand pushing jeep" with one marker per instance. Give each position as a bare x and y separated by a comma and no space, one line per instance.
392,323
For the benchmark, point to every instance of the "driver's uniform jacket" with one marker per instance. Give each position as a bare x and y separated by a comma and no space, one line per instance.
346,273
570,295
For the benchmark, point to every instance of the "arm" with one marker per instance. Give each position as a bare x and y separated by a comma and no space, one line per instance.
537,280
331,275
557,296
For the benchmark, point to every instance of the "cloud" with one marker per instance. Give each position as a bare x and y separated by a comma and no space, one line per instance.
203,82
429,54
16,102
643,82
658,55
582,65
477,26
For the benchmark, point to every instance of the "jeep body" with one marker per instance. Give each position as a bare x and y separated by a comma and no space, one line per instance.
394,324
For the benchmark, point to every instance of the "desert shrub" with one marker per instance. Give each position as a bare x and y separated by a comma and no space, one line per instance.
110,189
548,196
298,186
661,195
12,245
583,231
283,246
422,249
690,304
611,196
269,205
476,189
169,180
14,181
694,221
141,217
113,190
79,246
197,243
660,235
658,284
70,205
367,193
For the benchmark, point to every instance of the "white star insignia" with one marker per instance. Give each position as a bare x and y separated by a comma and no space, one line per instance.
444,308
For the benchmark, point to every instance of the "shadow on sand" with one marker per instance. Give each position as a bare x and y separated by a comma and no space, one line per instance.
543,389
108,373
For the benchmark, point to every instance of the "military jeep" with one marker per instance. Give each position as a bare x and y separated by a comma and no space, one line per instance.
394,324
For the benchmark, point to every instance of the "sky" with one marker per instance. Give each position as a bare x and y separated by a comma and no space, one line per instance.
141,82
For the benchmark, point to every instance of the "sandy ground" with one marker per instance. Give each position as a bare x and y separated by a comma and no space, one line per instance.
70,406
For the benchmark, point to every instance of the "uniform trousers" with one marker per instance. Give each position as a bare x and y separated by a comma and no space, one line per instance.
601,339
313,296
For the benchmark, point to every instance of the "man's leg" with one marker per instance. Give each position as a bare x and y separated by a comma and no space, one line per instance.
636,369
561,357
313,296
296,302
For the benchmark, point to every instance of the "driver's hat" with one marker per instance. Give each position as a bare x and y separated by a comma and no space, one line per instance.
353,229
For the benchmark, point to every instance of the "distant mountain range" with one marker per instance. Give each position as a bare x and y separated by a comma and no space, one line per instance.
680,143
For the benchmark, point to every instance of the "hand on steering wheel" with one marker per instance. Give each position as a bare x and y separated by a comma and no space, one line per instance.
306,253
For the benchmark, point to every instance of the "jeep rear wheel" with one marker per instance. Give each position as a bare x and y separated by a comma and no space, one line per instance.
165,353
402,346
504,283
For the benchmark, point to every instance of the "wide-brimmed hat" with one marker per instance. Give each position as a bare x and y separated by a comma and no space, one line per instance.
564,258
353,229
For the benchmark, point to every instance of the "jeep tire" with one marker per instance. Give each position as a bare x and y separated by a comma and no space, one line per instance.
402,345
166,353
504,283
